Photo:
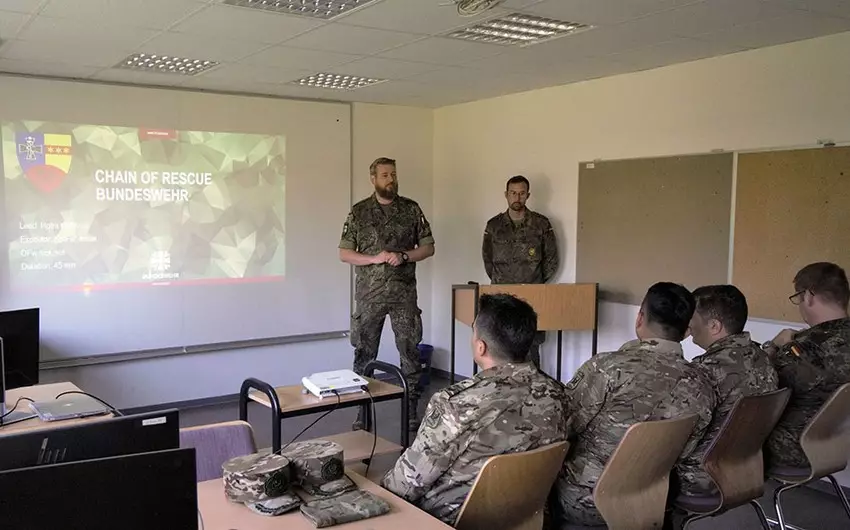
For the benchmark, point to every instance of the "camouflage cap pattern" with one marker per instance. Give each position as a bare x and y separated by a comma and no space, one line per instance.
318,467
261,481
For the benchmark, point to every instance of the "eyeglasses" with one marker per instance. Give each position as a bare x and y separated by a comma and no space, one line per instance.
797,298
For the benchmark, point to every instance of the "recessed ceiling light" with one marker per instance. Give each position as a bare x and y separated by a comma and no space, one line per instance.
337,81
324,9
517,29
165,64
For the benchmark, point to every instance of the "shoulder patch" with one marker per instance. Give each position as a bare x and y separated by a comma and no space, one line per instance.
459,388
574,382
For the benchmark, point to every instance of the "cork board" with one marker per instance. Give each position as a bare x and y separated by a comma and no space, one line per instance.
792,209
656,219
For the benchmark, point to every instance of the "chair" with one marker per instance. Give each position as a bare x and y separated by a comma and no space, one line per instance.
217,443
510,491
734,459
631,493
826,444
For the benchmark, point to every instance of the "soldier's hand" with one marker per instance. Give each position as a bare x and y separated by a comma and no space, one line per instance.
381,257
395,259
785,336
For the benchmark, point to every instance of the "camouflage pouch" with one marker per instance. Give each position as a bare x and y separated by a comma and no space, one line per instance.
345,508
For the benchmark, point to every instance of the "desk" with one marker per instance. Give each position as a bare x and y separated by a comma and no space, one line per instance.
290,402
221,514
42,393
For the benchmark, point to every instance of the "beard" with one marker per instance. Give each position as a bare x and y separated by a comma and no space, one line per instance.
388,192
517,206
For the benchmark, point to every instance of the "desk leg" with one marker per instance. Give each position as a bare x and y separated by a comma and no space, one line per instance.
274,405
369,371
560,353
452,351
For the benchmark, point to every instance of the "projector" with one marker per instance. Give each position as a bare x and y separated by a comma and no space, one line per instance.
340,382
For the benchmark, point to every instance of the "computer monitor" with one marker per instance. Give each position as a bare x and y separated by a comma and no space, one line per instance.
19,330
124,435
131,492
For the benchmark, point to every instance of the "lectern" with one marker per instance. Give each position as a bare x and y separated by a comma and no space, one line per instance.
560,307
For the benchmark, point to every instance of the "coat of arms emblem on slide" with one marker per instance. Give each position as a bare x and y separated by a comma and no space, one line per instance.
45,158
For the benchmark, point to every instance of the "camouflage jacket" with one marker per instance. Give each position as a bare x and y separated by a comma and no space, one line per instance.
643,381
736,367
372,228
506,409
522,252
813,366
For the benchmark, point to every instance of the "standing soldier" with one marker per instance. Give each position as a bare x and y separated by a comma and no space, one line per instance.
383,237
519,247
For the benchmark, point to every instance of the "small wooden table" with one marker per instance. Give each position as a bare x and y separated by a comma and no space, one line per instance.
42,393
291,401
221,514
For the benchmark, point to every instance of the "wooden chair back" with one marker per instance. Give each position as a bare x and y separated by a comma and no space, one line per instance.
826,439
734,459
510,491
631,493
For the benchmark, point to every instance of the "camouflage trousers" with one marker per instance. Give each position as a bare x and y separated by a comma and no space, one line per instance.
783,448
367,324
570,505
534,351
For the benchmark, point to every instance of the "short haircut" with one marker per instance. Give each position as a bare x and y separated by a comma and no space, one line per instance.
669,306
519,179
724,303
507,324
824,279
383,161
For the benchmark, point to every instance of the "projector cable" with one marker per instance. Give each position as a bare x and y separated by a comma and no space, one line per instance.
374,430
18,402
107,405
317,420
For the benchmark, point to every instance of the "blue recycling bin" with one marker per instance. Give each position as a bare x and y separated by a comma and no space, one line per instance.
426,352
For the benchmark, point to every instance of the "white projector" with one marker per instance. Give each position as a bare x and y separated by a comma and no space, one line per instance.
325,384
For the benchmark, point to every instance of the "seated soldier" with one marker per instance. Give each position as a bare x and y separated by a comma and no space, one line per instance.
508,407
646,379
735,365
814,362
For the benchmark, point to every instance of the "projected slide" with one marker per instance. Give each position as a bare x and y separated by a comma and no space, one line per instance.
93,206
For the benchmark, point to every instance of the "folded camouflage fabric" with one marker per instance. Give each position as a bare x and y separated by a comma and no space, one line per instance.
318,467
261,481
345,508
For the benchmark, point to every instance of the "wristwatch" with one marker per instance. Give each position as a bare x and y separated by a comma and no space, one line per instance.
404,257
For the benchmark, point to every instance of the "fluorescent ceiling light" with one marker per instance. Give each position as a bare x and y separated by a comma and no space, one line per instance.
337,81
324,9
517,29
165,64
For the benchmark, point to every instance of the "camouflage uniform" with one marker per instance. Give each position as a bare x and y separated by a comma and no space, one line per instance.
819,366
643,381
382,290
736,367
344,508
523,251
505,409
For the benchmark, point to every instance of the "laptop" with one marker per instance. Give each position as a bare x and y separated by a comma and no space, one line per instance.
68,407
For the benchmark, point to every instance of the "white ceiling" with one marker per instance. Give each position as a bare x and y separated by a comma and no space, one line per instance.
398,40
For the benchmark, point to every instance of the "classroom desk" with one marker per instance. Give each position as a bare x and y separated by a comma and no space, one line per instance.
291,401
221,514
41,393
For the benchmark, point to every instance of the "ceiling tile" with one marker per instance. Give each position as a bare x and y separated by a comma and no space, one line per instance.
230,85
46,68
350,39
157,14
10,24
780,30
423,17
239,23
83,53
200,47
678,50
119,75
253,74
603,11
296,58
455,76
716,15
383,68
22,6
59,32
444,51
836,8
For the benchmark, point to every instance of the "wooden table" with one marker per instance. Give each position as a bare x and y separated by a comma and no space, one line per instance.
291,401
221,514
41,393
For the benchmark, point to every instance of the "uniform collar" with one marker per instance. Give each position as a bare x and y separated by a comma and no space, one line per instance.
504,370
659,346
524,220
738,340
832,325
378,205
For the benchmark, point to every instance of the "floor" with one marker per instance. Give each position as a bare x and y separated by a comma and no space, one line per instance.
804,507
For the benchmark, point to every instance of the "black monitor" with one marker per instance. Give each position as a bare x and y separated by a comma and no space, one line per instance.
131,492
124,435
19,330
